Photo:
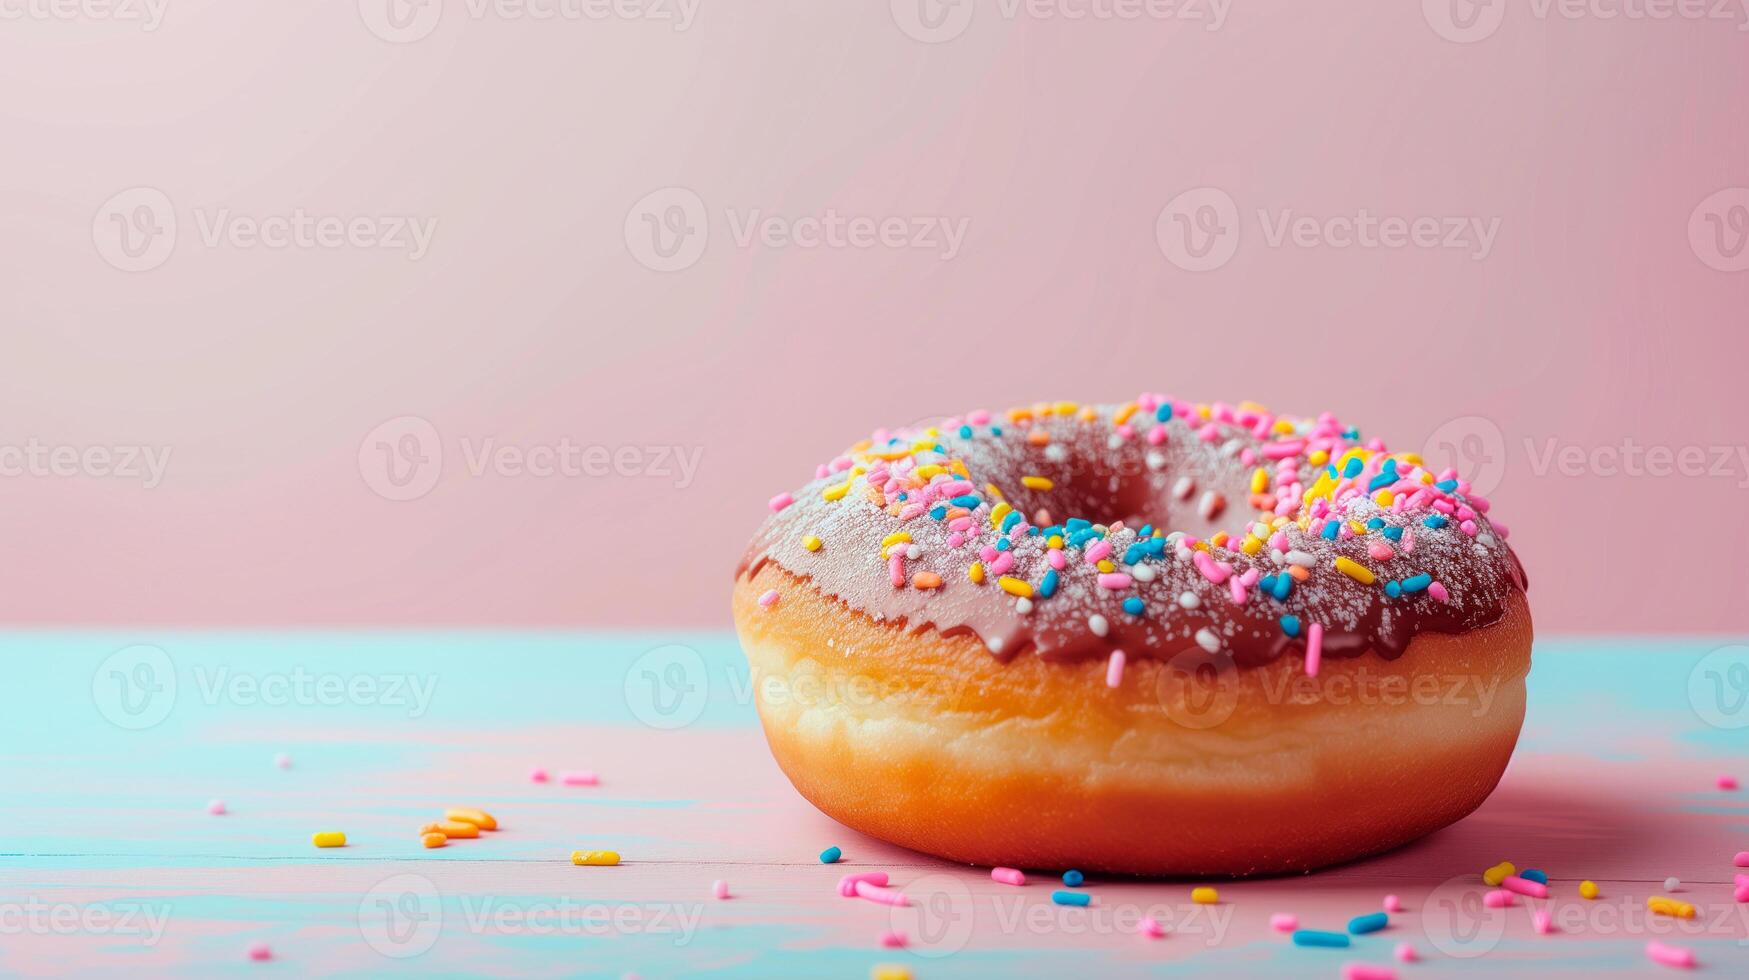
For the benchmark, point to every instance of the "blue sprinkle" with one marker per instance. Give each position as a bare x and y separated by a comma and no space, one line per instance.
1010,519
1003,544
995,431
1290,625
1384,479
965,432
830,855
1394,533
1352,468
1374,523
903,495
1435,521
1447,485
1134,553
1032,532
1071,898
941,449
1283,585
1532,874
1080,538
1163,413
1417,583
1351,433
1156,547
1267,583
1331,529
1393,589
968,501
1077,524
1312,937
1145,533
1048,587
1360,925
1133,606
1073,878
938,512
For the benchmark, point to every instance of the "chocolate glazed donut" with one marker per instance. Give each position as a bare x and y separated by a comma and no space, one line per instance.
1154,638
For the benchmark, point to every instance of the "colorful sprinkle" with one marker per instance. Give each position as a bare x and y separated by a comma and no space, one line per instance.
831,855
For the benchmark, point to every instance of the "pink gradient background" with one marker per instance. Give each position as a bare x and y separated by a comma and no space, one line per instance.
1592,321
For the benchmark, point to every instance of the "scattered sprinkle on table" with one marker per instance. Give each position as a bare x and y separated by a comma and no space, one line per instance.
1727,783
831,855
1588,889
603,859
1534,874
1073,878
1360,925
452,829
890,971
1367,971
847,884
1677,956
537,775
466,814
1008,876
1204,895
1284,922
328,838
1062,897
216,807
282,760
1393,904
1314,937
1671,884
260,952
580,778
892,939
1405,953
1493,876
434,839
719,889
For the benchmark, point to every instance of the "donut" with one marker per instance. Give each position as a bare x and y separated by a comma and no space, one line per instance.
1155,638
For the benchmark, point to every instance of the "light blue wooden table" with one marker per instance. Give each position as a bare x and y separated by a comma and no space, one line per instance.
116,742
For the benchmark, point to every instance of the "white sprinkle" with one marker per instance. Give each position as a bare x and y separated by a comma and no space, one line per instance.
1184,488
1231,447
1114,441
994,643
1156,461
913,552
1056,453
1189,600
1098,625
1301,558
1207,640
1671,884
1142,573
1211,505
1486,538
1023,605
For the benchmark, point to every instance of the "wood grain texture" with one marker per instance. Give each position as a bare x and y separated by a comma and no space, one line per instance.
109,860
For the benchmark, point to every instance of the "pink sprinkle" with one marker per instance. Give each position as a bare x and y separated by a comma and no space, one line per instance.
260,952
1237,588
978,416
1367,971
1379,551
955,539
1741,893
1055,557
216,807
1002,564
1152,928
1543,922
960,524
1468,527
768,598
1393,903
893,940
1097,550
1008,876
1524,886
1741,860
1437,591
1406,953
1314,648
282,760
781,501
1216,572
1156,435
847,884
1677,956
537,775
1284,922
1278,541
1727,783
1498,899
896,570
579,778
884,896
1114,581
1114,669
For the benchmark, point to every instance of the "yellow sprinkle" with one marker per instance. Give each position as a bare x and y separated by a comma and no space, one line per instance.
891,454
1426,477
1355,570
1124,413
1413,459
897,537
1204,895
923,446
1106,566
1588,889
1054,541
811,543
1066,408
1219,539
1259,480
604,859
976,572
1383,498
1664,905
328,838
1495,875
932,432
993,490
959,469
1015,586
837,490
1036,483
1282,427
888,971
1318,457
1357,527
929,471
1253,544
998,512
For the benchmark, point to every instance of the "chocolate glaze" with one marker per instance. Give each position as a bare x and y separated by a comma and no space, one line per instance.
1105,480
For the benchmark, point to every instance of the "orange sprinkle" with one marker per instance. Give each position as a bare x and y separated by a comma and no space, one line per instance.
926,580
1039,437
433,839
1124,413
